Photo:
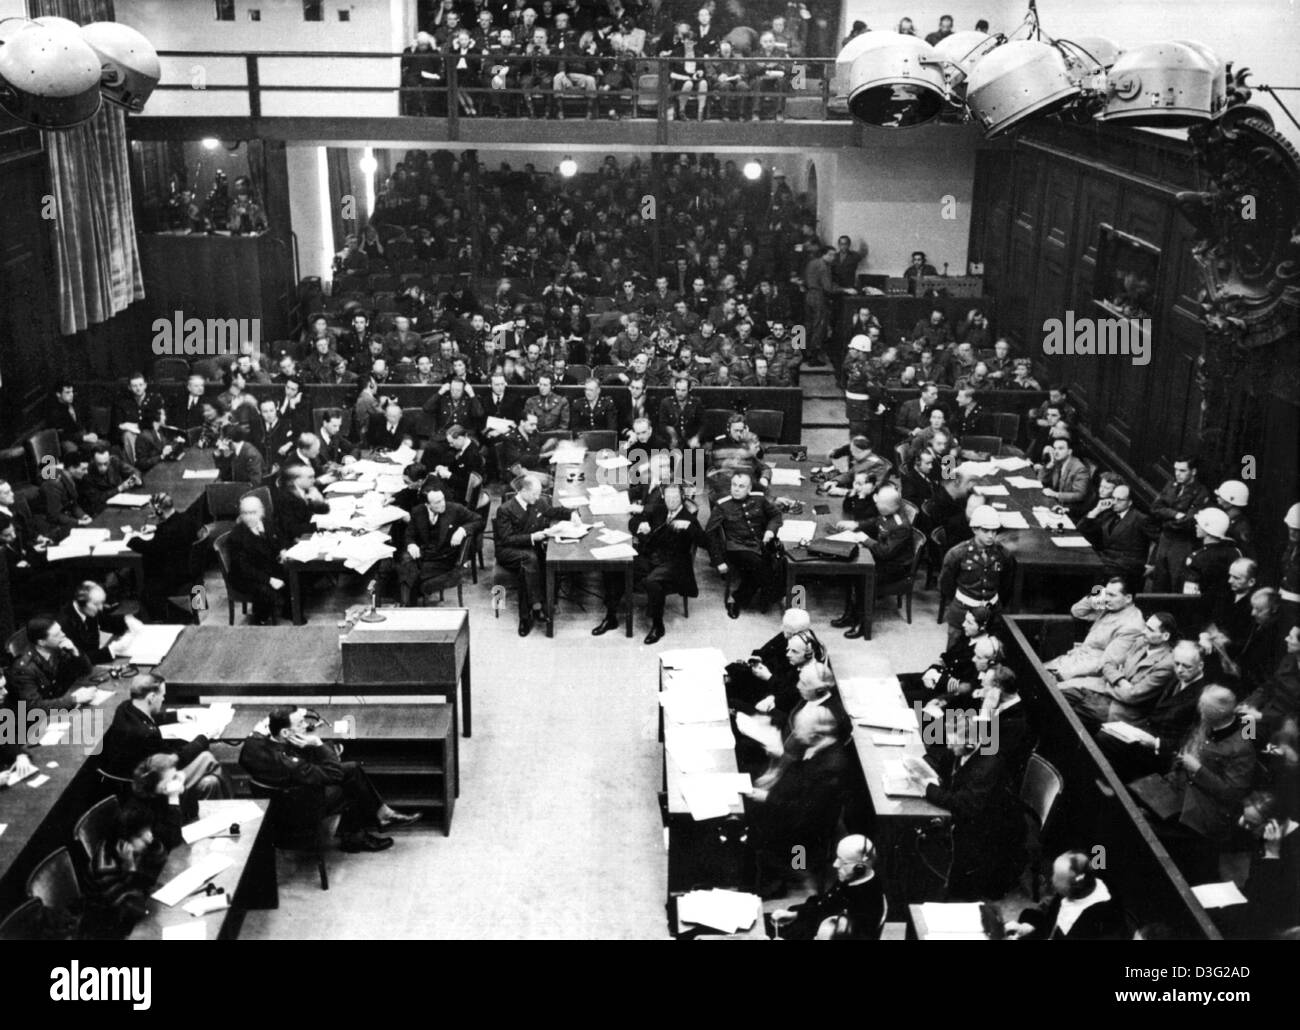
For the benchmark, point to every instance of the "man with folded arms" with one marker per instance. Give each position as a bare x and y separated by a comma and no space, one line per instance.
287,756
1116,625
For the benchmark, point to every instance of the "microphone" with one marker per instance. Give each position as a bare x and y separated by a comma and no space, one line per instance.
373,615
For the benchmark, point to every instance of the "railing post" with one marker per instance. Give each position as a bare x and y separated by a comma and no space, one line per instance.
453,102
254,86
665,100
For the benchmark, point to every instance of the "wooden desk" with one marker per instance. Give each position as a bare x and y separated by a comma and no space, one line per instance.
565,558
1033,548
250,882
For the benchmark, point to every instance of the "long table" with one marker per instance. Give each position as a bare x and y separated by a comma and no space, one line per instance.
576,556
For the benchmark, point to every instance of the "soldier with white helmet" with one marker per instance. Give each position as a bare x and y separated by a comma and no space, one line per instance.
1233,496
978,573
1206,571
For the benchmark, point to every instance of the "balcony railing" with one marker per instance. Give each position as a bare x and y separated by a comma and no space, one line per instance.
299,84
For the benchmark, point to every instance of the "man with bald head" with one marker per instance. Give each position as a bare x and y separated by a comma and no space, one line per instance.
888,536
256,560
856,895
745,689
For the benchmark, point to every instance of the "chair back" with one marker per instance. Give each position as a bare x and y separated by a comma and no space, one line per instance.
171,370
599,439
222,546
766,423
222,499
54,882
714,422
295,814
911,511
263,494
1041,786
23,923
42,451
991,445
1005,425
94,827
553,434
581,372
605,372
900,449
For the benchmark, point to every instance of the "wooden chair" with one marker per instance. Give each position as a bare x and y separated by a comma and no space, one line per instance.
1041,786
455,577
171,370
1005,425
581,372
990,445
938,548
194,601
222,502
903,589
766,423
54,882
604,372
23,923
42,451
713,422
95,826
298,822
263,494
599,439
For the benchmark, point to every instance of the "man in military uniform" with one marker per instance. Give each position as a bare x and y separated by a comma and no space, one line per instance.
593,411
1206,570
862,458
521,450
737,450
1172,518
520,530
1233,496
739,531
978,573
888,536
680,415
43,675
552,410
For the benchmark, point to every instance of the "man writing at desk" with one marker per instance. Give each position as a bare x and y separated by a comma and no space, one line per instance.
286,755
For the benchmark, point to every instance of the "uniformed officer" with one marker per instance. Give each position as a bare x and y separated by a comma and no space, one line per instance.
1233,496
551,409
1206,570
593,410
888,536
681,414
739,531
978,573
1172,515
1289,585
738,450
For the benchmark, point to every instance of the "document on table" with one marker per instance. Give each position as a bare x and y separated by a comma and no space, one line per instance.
1012,520
711,795
885,714
101,695
200,474
1128,733
82,535
149,644
705,738
205,905
1024,483
67,549
907,779
684,704
186,883
568,530
1049,519
1218,895
613,536
614,461
573,501
796,531
495,424
786,477
108,547
403,456
605,500
243,813
614,552
848,536
992,490
568,453
703,658
976,469
957,920
760,729
1070,541
1011,464
726,911
128,500
353,487
892,739
55,734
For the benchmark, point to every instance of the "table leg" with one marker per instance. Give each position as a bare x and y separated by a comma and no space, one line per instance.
627,596
868,600
295,596
467,694
548,602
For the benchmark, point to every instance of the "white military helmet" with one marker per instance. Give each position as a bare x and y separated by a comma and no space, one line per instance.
1234,492
1292,519
1213,522
985,517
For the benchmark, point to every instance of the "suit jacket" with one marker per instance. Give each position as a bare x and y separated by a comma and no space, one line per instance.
508,407
514,524
382,437
334,449
1070,479
95,487
189,416
461,465
293,514
245,467
1211,797
987,825
84,631
667,548
41,682
1173,714
804,803
133,736
254,560
434,541
66,421
270,441
62,505
167,553
1121,542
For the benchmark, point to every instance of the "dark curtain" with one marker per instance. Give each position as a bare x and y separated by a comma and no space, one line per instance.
340,162
94,225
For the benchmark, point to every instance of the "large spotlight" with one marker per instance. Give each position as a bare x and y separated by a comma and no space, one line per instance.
129,63
49,77
368,164
753,171
1018,80
1094,50
960,52
568,168
894,81
209,143
1164,85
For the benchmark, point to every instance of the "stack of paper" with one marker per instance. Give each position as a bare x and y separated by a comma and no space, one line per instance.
726,911
376,516
614,461
992,490
200,474
353,487
959,921
85,535
495,424
340,514
614,552
242,813
712,795
568,530
1070,541
786,477
403,456
1049,519
1024,483
568,452
884,713
613,536
1218,895
796,531
686,704
1012,520
389,484
1128,733
905,778
848,536
128,500
149,644
605,500
67,549
211,722
976,469
572,501
1011,464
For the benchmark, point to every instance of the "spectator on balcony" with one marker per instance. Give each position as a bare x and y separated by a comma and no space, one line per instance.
769,74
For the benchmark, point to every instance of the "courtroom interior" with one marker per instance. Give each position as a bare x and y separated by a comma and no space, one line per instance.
840,484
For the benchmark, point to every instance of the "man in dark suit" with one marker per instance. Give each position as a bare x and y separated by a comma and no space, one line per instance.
520,530
64,417
335,448
295,502
740,529
167,565
499,403
390,429
256,560
189,413
238,460
666,536
83,619
1120,534
438,528
987,826
911,418
454,461
288,756
134,735
276,434
1080,909
107,476
1066,480
59,494
1172,715
856,895
750,690
43,675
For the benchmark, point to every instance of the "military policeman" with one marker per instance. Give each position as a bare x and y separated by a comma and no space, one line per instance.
1289,587
978,573
740,528
1233,496
1206,570
1172,516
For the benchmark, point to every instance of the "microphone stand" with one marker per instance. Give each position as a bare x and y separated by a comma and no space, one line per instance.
373,614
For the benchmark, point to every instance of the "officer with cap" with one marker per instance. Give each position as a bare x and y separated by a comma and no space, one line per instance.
1206,572
978,573
1233,496
1289,587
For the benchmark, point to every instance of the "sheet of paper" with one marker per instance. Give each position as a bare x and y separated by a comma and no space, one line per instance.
1011,464
885,714
689,758
213,824
1128,733
725,911
760,728
82,534
66,550
613,536
992,490
128,500
786,477
687,705
3,827
713,795
795,531
707,738
187,882
1070,541
201,474
568,453
953,918
55,734
205,904
976,469
1012,520
573,501
111,547
616,461
101,695
568,530
495,424
150,643
38,781
185,731
346,486
848,536
190,930
614,552
892,739
1024,483
1218,895
614,503
17,777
